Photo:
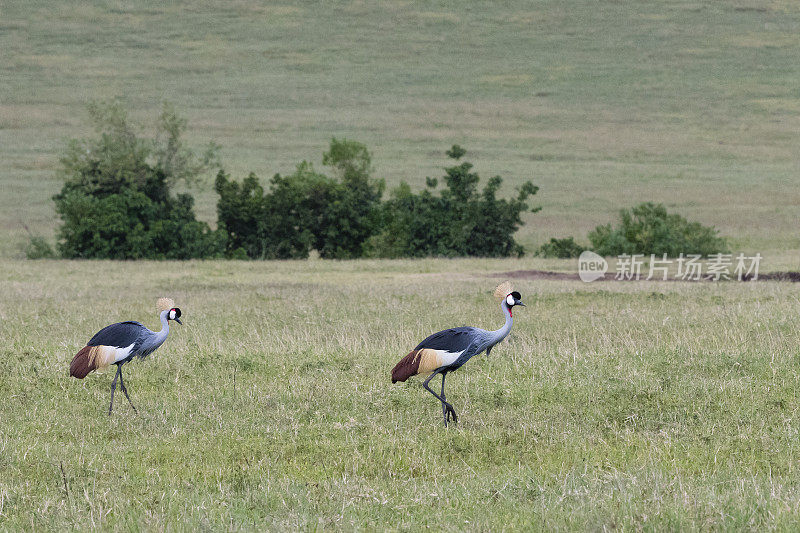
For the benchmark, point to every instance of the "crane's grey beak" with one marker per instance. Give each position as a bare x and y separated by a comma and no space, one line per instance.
178,320
520,303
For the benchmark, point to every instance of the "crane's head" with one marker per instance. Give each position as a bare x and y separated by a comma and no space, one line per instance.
514,299
175,314
508,296
166,306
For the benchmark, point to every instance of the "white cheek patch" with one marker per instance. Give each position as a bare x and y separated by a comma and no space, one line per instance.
510,300
172,314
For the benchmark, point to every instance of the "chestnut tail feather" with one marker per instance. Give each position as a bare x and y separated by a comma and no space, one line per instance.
82,364
407,367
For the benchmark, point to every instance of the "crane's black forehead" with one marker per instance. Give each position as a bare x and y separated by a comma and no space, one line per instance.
516,295
177,312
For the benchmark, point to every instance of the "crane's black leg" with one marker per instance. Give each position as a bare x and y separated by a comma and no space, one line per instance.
448,409
113,388
122,386
444,409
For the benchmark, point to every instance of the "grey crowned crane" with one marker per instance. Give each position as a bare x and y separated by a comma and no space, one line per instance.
121,342
448,350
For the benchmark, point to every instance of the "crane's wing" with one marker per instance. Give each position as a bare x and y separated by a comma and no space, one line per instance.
439,350
450,340
109,345
119,335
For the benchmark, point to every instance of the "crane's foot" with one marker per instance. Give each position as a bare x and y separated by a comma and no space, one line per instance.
448,412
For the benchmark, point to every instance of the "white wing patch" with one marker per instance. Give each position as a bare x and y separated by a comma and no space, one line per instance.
122,353
448,358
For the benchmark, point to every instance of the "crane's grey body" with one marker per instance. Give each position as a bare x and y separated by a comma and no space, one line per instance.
133,338
118,344
448,350
468,341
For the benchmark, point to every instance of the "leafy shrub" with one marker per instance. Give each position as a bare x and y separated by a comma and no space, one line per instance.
133,224
349,211
304,210
565,248
38,248
649,229
116,201
459,221
241,213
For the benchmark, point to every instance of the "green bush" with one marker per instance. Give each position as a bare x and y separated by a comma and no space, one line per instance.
133,224
459,221
116,201
242,214
305,210
348,209
38,248
649,229
565,248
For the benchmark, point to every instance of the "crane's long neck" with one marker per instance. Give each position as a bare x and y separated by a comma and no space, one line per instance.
161,336
500,334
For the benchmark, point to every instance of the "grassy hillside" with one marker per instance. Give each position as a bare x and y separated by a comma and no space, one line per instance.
611,406
602,104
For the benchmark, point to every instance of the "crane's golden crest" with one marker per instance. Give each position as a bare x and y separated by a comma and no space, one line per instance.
165,304
503,290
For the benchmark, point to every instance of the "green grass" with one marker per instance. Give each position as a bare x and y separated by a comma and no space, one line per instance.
603,105
610,406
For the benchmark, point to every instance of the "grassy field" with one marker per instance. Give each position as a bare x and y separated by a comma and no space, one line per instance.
602,104
611,405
